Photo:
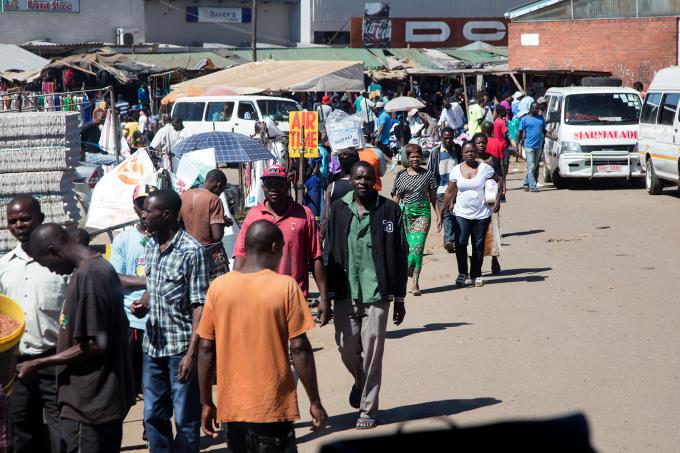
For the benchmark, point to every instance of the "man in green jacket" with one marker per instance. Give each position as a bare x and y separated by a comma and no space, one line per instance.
366,257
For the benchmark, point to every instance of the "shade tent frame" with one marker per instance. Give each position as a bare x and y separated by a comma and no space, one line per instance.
270,76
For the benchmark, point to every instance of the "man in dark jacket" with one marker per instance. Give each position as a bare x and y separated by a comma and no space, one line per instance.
366,258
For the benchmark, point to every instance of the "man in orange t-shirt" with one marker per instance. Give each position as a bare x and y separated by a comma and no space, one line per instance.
249,318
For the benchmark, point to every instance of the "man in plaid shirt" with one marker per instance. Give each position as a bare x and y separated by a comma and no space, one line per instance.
177,282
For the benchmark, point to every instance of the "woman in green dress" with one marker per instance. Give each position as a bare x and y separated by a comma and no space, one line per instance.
415,189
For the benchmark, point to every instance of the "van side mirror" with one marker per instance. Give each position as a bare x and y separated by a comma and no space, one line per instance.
553,117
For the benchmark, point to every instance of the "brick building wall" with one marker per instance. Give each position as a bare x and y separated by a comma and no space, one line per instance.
632,49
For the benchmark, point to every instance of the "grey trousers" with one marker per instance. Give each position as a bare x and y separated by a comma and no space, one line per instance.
360,336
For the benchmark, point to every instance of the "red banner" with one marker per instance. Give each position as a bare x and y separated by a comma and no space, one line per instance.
438,32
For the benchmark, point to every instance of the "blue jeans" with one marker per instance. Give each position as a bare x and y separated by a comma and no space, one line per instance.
447,221
164,397
100,159
463,230
533,155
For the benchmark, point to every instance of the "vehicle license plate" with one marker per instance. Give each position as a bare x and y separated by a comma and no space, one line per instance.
608,168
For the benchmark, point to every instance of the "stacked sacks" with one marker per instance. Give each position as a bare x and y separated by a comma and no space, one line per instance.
38,154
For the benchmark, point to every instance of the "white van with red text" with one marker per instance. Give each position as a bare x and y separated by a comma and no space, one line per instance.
659,142
591,133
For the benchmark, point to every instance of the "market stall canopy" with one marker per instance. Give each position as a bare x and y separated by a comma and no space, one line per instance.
192,91
193,61
118,65
18,65
14,58
274,76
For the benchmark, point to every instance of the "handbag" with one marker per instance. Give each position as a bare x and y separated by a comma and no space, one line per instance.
490,191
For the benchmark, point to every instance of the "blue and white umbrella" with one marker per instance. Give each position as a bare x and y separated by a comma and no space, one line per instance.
230,147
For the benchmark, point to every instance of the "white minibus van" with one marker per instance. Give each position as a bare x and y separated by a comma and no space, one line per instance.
592,132
659,141
232,113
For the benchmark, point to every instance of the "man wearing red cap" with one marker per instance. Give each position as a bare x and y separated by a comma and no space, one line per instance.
302,245
324,109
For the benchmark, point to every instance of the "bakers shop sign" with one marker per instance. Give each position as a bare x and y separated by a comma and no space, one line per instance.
438,32
36,6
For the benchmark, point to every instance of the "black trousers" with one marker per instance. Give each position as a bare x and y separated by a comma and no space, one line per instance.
27,403
463,231
135,337
261,437
78,437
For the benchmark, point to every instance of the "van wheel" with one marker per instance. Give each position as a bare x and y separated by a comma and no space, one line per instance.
547,177
652,183
558,181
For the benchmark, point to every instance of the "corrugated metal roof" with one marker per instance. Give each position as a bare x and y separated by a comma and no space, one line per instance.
370,60
14,58
182,60
474,56
530,8
415,55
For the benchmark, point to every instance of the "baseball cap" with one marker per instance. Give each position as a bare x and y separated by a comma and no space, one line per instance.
326,100
141,191
275,171
517,95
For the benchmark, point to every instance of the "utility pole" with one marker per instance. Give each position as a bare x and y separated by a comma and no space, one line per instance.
254,36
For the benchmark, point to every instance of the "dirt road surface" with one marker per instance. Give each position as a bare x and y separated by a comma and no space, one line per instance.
584,317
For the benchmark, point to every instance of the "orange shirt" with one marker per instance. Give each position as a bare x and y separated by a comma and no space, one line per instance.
200,209
367,155
251,317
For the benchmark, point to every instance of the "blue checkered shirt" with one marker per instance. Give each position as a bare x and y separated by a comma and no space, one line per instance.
177,281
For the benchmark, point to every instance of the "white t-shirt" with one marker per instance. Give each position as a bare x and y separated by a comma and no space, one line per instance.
470,202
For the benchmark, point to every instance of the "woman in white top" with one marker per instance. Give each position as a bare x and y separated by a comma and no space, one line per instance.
472,213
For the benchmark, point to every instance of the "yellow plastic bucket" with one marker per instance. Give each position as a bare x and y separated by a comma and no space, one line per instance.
9,345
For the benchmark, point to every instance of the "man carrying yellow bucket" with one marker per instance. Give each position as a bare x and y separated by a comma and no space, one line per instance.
40,296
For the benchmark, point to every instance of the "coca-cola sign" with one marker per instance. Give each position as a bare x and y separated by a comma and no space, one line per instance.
376,29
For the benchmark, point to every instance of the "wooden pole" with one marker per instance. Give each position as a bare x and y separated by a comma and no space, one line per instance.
301,176
254,31
465,96
114,118
514,79
524,81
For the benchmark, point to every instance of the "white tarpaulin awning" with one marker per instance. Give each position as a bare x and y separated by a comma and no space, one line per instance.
14,58
290,75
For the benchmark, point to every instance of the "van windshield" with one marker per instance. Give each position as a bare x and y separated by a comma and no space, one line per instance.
602,108
277,110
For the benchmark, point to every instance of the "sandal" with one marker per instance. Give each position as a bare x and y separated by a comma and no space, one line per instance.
366,423
460,281
355,397
416,292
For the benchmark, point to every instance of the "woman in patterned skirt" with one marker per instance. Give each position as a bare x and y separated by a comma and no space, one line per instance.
415,189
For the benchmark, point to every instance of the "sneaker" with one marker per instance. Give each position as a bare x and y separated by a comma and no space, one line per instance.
460,281
479,282
450,247
535,189
526,189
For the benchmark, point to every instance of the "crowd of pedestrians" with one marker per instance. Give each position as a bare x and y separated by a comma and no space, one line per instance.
189,322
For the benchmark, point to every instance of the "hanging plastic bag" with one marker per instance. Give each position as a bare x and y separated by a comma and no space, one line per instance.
344,130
